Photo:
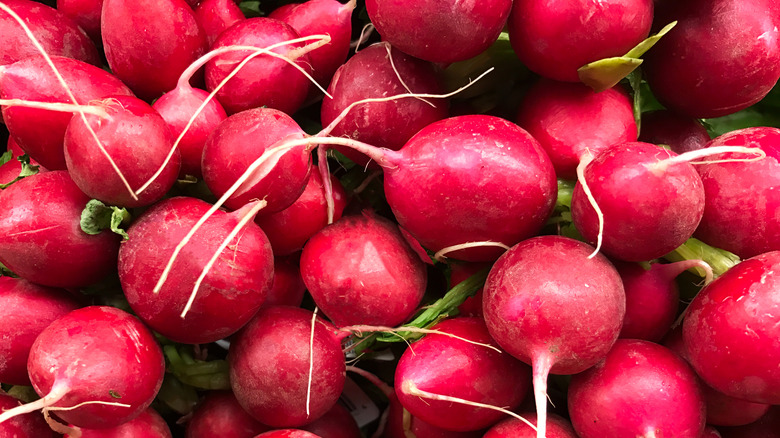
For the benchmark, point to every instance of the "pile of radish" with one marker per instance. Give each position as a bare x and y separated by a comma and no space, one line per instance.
387,219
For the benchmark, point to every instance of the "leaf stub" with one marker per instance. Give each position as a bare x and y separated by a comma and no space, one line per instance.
97,217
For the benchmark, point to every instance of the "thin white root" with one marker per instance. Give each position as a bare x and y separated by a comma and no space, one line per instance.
389,49
248,217
374,175
358,329
71,96
365,34
56,394
71,432
327,187
691,156
441,255
376,381
311,361
584,161
541,370
408,387
56,106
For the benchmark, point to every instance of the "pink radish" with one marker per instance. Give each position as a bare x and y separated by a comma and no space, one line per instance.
641,389
136,138
555,39
289,229
33,80
40,235
219,414
550,305
737,316
58,34
680,133
441,365
651,204
288,433
214,16
557,427
321,17
688,65
401,424
570,120
439,31
81,362
24,426
265,80
336,423
86,13
288,288
28,310
230,294
361,271
379,71
147,425
240,140
151,61
741,214
301,390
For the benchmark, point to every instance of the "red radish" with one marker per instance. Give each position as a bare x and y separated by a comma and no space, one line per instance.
33,80
24,426
177,108
136,138
219,414
86,13
151,61
737,316
29,308
680,133
460,272
273,373
442,365
288,433
361,271
641,389
557,427
650,205
289,229
12,169
439,31
694,59
336,423
550,305
265,80
214,16
40,235
570,120
711,432
379,71
147,425
321,17
767,426
232,291
400,424
57,34
288,288
82,362
554,38
741,214
241,139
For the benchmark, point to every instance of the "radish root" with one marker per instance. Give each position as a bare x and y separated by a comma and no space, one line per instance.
57,106
541,370
661,166
584,161
55,395
71,432
358,329
311,361
389,49
441,255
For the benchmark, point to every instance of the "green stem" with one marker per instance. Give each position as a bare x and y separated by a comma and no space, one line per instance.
719,259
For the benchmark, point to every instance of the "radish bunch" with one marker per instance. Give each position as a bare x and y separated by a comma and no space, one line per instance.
377,218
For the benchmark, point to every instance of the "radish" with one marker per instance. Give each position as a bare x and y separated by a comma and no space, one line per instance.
336,423
640,389
737,316
651,203
40,235
767,426
557,427
33,80
288,288
80,365
439,31
699,56
570,120
321,17
219,414
242,138
741,213
151,61
379,71
130,129
401,424
288,433
214,16
550,305
680,133
28,310
450,367
274,374
361,271
86,14
289,229
265,80
58,34
554,38
28,425
147,425
229,295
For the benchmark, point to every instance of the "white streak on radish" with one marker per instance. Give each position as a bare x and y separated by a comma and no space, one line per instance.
311,361
587,157
441,255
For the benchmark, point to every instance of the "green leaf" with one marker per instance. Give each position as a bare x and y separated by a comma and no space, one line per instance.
645,45
635,80
97,217
6,157
719,260
27,170
251,9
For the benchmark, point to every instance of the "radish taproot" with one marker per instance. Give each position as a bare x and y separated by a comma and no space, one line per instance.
24,426
557,427
551,306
